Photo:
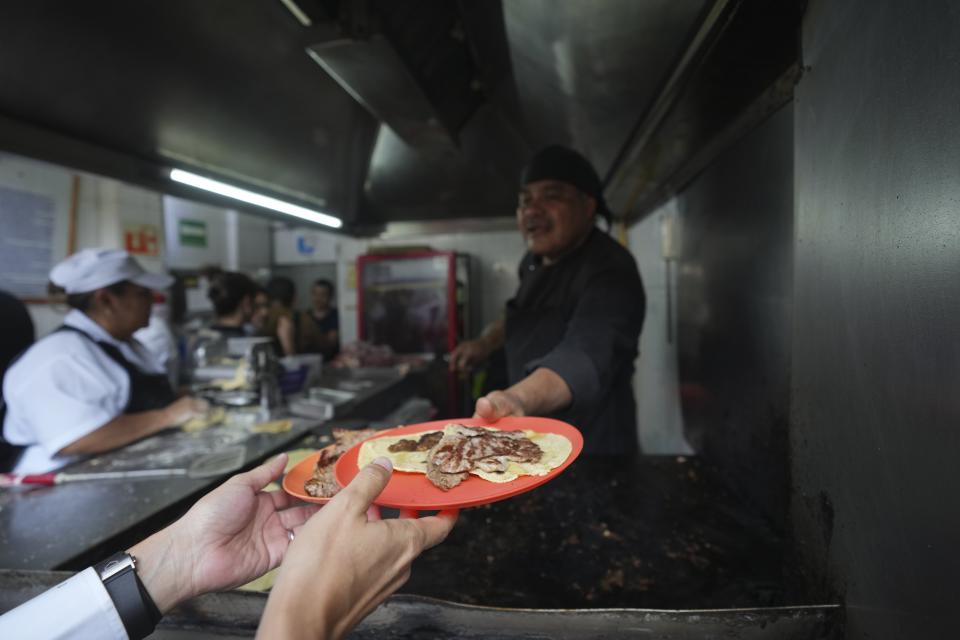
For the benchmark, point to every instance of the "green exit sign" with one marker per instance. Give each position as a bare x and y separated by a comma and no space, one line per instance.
193,233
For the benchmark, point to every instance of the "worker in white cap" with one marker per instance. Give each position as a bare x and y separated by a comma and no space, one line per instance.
89,386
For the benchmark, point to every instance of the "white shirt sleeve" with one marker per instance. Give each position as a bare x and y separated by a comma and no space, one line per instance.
79,607
61,390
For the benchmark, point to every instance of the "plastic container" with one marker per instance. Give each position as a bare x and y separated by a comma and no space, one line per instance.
299,372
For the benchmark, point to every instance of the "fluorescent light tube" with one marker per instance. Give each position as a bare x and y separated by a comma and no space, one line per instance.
192,179
297,12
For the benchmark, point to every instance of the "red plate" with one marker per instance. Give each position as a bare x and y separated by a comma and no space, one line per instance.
414,491
301,472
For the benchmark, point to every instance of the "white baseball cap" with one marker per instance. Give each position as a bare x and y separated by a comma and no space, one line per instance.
92,269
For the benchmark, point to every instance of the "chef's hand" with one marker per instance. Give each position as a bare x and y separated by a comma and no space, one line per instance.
187,407
498,404
540,393
468,355
234,534
346,561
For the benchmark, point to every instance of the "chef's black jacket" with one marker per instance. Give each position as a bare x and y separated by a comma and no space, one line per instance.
581,318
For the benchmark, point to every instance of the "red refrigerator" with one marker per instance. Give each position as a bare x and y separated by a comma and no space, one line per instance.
416,303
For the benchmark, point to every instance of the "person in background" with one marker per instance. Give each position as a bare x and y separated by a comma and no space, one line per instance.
232,295
261,309
18,331
321,333
206,275
90,386
17,335
280,316
338,565
159,340
571,330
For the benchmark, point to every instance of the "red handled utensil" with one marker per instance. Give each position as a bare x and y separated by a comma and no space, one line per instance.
51,479
210,464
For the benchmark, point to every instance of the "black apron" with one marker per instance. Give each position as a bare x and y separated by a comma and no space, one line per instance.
148,391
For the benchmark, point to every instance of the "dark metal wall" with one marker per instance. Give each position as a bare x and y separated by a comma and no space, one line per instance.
876,359
734,310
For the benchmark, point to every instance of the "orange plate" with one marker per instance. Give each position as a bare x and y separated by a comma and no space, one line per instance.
414,491
301,472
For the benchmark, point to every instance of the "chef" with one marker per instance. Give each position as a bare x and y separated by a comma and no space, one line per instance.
89,386
570,332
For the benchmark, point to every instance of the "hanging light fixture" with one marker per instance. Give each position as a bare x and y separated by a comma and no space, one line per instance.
250,197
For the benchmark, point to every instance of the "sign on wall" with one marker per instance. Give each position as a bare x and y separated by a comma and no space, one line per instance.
26,244
192,233
141,239
304,246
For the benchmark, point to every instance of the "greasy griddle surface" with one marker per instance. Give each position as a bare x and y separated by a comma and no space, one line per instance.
651,532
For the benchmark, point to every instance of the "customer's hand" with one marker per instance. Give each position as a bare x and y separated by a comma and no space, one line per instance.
183,409
232,535
498,404
346,561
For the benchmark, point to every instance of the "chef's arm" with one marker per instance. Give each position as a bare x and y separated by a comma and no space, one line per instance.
540,393
470,353
130,427
598,345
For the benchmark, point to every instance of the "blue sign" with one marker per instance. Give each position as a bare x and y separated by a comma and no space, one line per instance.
303,248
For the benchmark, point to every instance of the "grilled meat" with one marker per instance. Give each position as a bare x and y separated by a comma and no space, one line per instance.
323,484
426,442
463,449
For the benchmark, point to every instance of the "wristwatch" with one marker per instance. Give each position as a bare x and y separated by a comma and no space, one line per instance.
137,610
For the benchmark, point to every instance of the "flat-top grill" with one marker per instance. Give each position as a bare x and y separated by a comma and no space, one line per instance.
646,532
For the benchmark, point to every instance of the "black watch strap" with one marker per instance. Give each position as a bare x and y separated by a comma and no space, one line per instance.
137,610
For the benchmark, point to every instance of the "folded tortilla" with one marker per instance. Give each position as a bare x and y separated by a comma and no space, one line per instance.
555,447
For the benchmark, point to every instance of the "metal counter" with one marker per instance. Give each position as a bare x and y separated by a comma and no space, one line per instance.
73,525
236,614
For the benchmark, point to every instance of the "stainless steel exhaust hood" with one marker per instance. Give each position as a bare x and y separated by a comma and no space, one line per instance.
372,72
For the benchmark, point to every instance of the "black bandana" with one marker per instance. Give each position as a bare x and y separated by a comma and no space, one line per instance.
568,166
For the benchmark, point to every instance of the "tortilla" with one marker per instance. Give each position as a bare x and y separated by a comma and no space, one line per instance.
215,415
238,381
556,449
275,426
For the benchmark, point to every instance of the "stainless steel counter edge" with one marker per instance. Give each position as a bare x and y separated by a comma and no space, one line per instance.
237,613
